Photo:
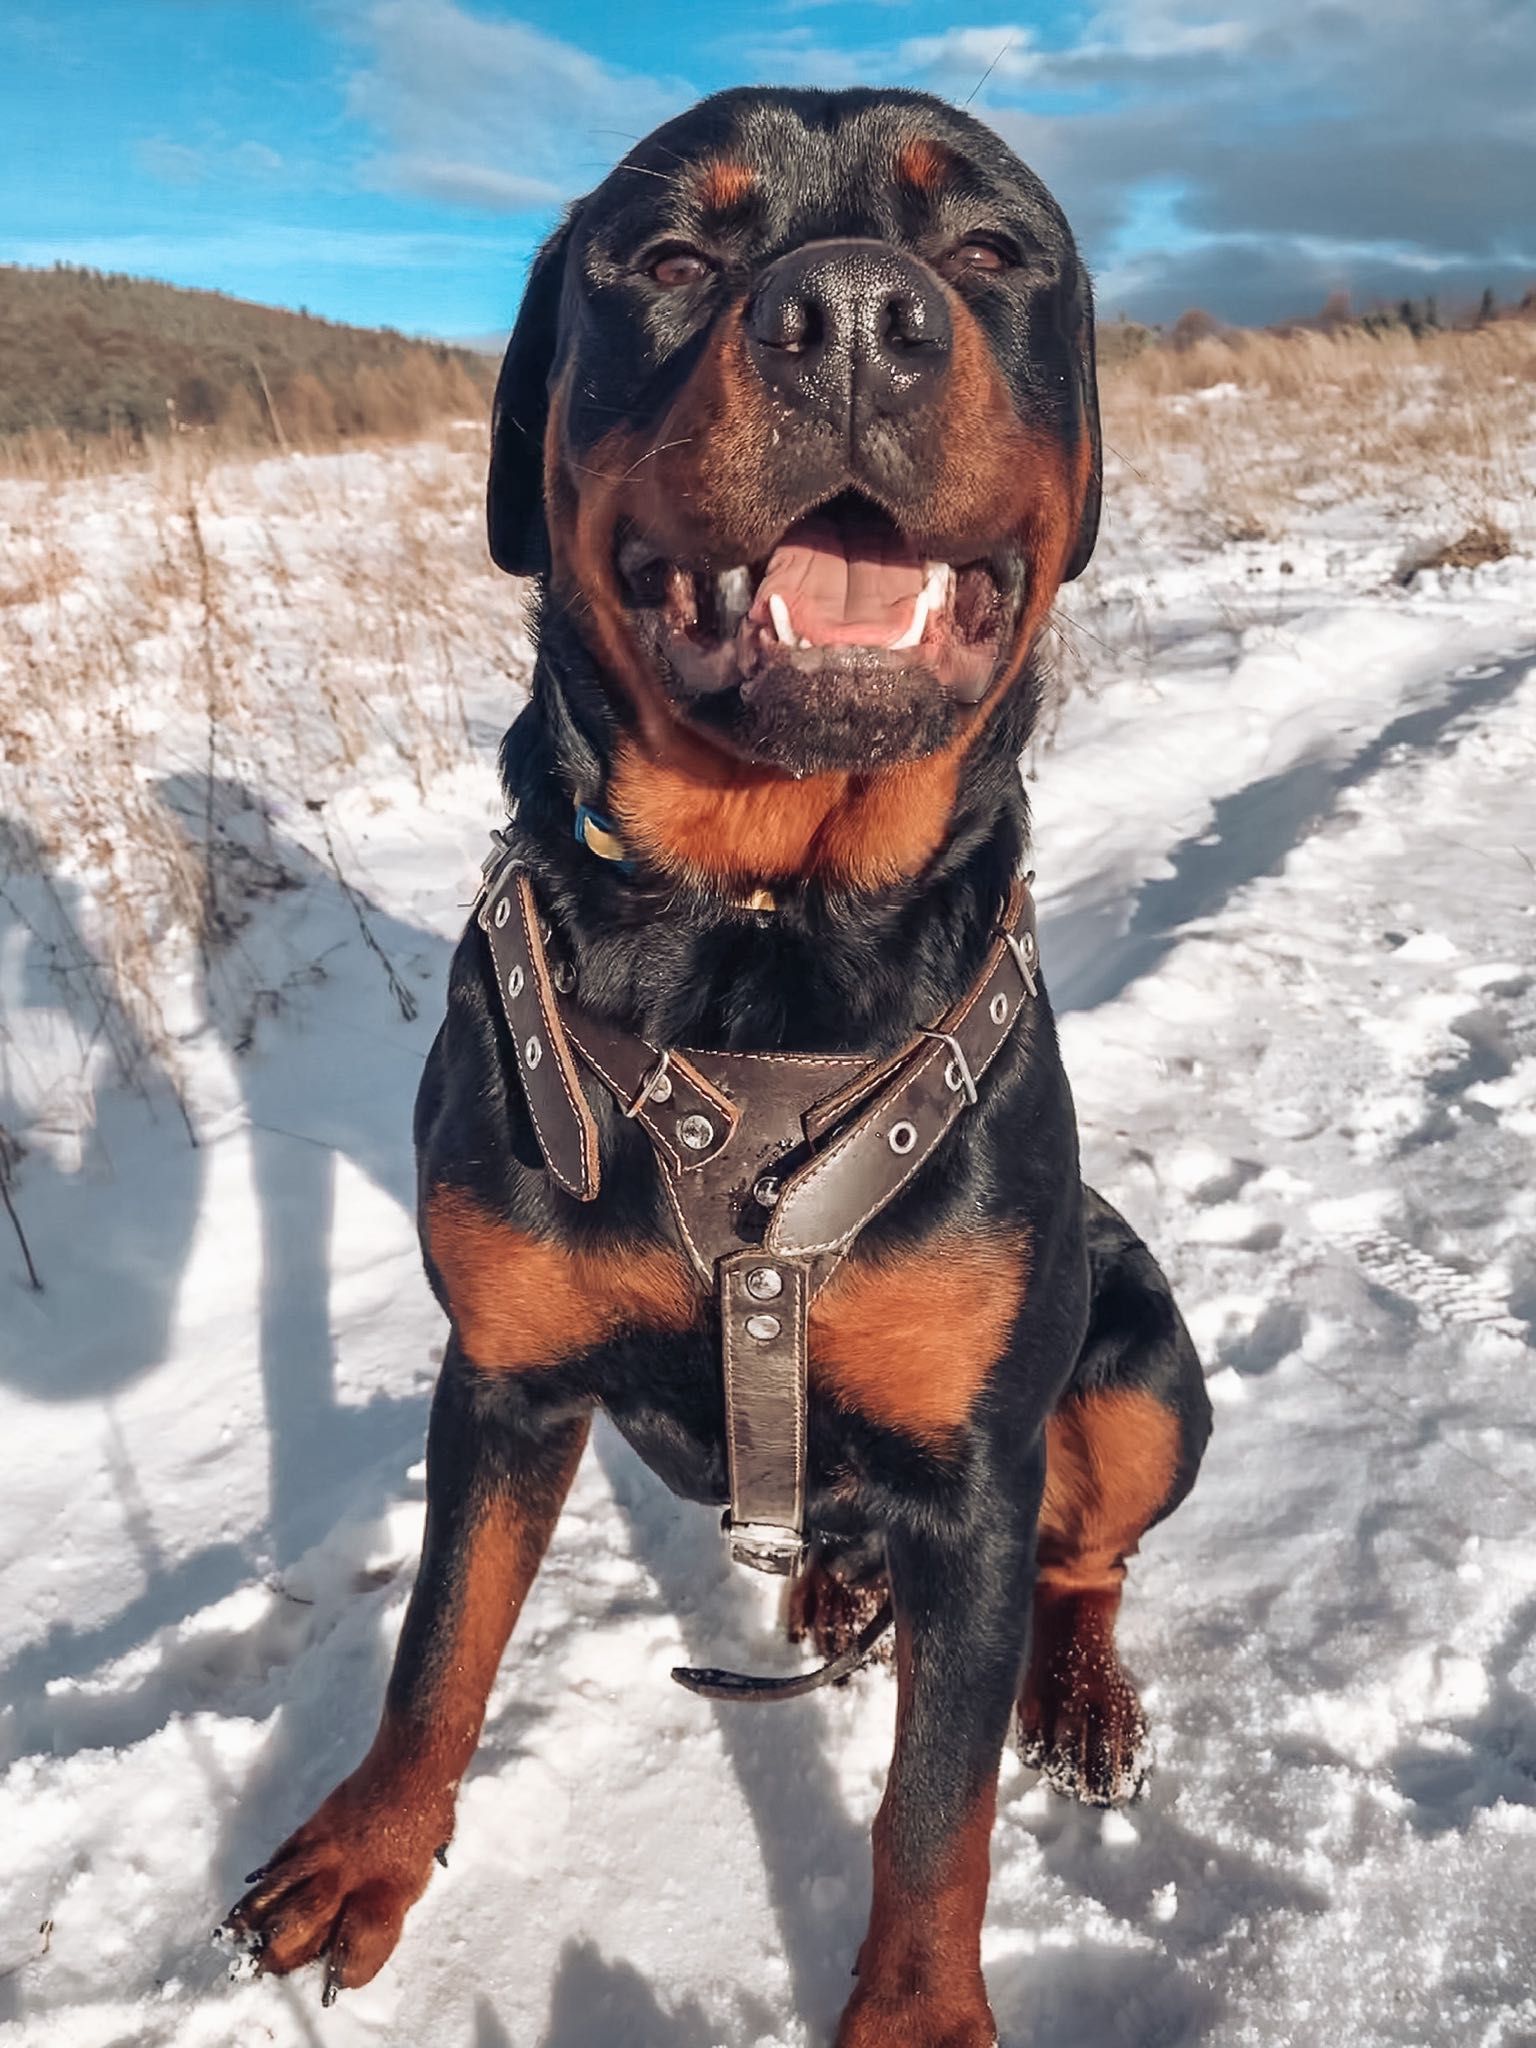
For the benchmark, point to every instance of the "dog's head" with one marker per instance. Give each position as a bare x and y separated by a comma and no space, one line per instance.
799,419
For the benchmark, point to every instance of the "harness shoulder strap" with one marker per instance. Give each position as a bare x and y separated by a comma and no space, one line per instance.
562,1117
824,1206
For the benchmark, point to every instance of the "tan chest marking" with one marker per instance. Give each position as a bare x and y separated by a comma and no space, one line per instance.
908,1341
520,1302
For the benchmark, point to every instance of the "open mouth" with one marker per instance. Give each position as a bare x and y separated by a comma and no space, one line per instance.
844,589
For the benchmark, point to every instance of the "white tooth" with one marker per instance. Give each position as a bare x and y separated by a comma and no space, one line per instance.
778,611
915,631
940,583
733,598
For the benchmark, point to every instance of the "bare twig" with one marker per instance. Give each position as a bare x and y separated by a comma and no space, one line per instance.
10,1152
397,988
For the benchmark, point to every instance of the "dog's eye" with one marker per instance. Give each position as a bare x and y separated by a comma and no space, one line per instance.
979,255
675,267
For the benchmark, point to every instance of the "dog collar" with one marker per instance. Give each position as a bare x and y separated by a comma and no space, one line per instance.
600,836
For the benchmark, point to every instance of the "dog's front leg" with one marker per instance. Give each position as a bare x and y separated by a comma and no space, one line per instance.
962,1609
497,1474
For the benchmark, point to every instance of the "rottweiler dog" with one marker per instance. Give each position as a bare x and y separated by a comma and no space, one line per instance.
798,435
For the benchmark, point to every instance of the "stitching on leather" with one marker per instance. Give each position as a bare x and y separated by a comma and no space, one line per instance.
780,1059
810,1175
514,1027
867,1124
702,1264
586,1132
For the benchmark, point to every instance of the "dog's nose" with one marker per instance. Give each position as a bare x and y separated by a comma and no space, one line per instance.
850,326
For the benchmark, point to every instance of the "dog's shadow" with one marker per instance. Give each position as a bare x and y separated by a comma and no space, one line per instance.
597,2000
776,1753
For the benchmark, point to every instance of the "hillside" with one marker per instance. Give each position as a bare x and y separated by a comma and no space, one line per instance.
95,353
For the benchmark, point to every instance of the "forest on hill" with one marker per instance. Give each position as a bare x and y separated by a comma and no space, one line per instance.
90,352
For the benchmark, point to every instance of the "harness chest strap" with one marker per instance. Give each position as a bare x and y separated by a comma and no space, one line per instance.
720,1124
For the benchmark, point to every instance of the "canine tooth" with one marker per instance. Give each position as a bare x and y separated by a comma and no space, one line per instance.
939,586
733,596
919,624
778,611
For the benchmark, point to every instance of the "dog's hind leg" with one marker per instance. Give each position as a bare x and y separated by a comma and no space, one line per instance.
1122,1450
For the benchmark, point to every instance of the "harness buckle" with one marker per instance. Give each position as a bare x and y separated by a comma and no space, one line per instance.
958,1066
765,1546
1024,955
656,1087
501,861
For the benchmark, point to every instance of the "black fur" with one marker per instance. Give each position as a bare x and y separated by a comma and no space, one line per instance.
831,970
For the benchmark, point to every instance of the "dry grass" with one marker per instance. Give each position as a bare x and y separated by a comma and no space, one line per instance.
1273,422
177,637
1483,542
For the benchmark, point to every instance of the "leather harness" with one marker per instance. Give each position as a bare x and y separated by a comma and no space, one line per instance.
772,1162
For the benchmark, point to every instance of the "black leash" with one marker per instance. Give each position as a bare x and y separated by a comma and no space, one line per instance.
710,1684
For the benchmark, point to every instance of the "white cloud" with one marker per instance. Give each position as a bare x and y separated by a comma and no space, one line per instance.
495,113
185,164
474,185
1005,56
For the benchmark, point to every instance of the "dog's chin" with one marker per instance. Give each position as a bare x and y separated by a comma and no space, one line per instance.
813,712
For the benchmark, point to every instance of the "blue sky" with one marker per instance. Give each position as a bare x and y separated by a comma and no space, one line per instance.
396,160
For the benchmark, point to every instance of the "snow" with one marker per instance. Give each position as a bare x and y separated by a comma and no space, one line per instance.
1286,852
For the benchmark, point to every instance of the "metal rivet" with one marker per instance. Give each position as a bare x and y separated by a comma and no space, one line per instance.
1029,946
514,981
954,1081
999,1008
765,1283
503,911
533,1052
763,1328
696,1132
563,975
662,1090
901,1138
765,1192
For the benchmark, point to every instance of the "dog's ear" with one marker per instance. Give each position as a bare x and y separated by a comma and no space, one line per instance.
1088,400
514,497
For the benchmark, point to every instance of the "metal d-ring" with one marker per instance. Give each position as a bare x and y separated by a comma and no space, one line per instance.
959,1067
1023,951
656,1087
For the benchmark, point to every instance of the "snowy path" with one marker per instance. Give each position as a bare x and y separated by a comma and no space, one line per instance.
1288,898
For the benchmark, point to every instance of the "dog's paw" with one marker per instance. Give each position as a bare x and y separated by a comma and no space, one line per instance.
833,1612
876,2020
340,1887
1081,1723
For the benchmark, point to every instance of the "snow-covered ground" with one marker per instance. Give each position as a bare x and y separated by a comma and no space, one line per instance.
1287,865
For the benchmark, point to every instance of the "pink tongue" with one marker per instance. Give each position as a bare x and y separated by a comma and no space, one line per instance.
841,590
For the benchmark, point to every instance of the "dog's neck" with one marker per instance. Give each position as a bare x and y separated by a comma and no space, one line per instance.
686,962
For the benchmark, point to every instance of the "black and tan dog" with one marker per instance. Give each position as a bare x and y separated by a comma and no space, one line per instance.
798,429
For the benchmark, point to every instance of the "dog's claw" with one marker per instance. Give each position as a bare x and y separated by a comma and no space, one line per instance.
441,1853
332,1991
244,1946
255,1876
